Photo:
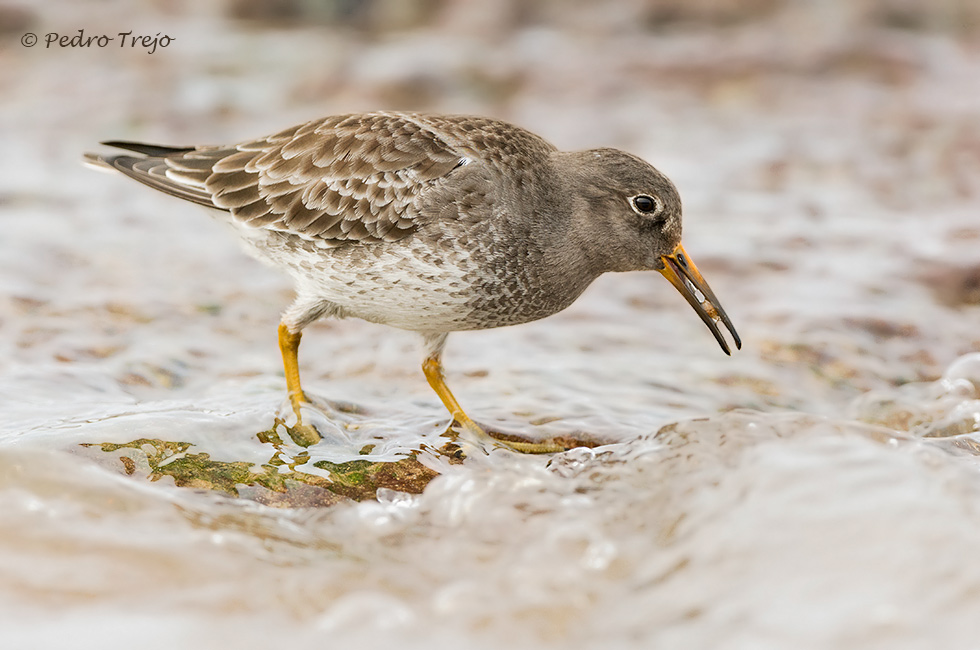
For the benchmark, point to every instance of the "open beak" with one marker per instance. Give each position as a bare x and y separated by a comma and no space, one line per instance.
681,272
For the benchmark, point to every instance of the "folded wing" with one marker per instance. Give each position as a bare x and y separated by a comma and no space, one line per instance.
340,179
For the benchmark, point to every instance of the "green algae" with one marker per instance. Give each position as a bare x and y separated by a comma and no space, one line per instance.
286,480
278,482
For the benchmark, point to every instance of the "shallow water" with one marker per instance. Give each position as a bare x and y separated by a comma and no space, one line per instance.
817,489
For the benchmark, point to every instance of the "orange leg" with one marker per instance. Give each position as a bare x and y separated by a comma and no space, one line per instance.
432,367
302,434
289,346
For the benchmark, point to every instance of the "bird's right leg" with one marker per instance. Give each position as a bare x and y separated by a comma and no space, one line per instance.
432,368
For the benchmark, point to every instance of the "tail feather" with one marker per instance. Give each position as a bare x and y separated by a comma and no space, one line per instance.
150,169
97,162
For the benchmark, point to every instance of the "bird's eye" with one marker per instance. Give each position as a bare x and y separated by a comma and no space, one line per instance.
645,204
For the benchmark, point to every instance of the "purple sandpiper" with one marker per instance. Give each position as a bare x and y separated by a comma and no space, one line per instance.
430,223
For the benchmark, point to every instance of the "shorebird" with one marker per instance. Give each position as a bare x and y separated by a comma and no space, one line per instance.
430,223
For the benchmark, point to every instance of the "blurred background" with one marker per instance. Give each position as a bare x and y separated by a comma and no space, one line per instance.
817,489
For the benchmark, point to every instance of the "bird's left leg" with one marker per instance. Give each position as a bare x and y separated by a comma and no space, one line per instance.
289,347
294,319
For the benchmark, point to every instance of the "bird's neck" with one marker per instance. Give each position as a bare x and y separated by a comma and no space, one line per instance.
571,258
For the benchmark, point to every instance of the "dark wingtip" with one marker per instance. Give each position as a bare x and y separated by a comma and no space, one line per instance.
146,149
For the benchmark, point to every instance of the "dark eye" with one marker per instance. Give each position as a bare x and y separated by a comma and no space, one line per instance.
645,204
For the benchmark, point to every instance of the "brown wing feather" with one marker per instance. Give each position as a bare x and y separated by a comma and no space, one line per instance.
345,178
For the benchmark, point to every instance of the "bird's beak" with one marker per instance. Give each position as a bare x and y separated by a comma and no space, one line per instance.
681,272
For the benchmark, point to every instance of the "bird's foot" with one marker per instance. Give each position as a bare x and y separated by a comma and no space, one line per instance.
469,434
309,421
301,434
304,435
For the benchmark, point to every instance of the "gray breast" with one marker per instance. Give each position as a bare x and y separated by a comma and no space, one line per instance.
508,232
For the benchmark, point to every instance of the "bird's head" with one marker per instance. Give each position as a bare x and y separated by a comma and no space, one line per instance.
637,211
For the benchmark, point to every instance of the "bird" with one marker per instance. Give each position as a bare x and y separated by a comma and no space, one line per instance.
430,223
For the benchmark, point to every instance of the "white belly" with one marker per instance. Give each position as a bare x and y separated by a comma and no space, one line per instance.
400,284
